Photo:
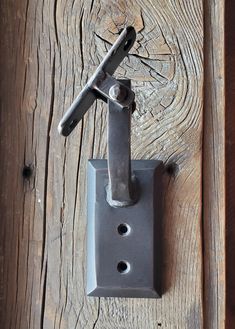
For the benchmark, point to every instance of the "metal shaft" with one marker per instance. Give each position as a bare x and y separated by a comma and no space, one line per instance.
120,191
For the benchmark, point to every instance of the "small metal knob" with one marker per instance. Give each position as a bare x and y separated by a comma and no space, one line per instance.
118,92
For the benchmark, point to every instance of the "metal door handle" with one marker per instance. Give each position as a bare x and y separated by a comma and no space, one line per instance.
101,82
124,196
122,187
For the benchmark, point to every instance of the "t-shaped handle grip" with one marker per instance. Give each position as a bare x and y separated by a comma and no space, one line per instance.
102,85
121,190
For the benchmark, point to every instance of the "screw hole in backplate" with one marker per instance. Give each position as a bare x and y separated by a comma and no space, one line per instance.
123,267
124,229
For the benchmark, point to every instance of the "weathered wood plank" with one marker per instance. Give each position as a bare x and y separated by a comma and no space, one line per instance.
214,167
230,160
49,50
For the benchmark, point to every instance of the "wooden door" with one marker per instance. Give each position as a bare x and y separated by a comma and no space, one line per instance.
48,51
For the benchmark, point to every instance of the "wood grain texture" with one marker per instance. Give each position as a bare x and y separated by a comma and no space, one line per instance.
49,49
214,167
230,160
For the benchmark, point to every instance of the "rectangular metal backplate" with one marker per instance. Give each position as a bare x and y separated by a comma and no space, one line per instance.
124,244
